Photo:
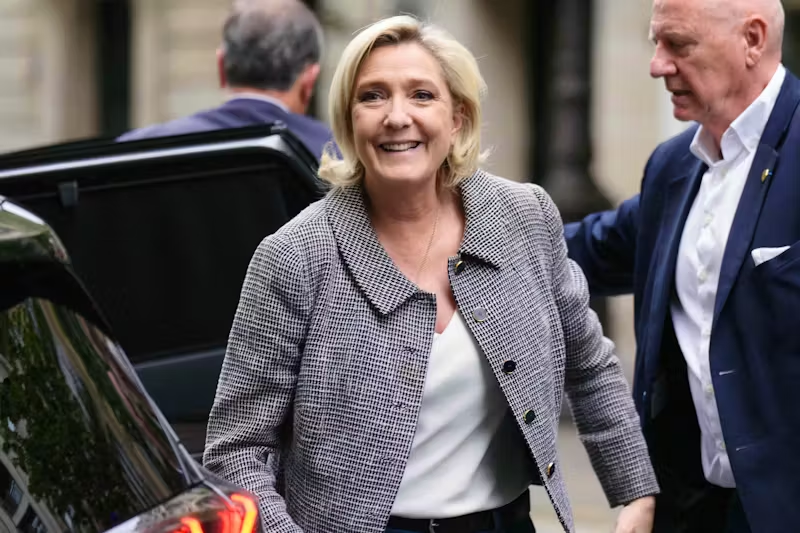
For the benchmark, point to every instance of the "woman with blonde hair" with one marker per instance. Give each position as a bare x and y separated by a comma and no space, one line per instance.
400,351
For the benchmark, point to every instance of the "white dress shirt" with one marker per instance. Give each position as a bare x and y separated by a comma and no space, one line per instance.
702,246
468,454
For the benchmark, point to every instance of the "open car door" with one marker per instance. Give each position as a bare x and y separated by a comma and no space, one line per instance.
161,231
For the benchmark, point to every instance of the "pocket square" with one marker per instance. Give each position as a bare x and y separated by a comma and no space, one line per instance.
762,255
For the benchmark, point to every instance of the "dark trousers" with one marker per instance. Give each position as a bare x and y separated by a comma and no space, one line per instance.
522,526
711,509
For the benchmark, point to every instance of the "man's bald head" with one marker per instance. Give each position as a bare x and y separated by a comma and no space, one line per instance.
770,11
716,56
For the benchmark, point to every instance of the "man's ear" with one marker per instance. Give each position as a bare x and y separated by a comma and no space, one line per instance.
756,40
307,81
223,81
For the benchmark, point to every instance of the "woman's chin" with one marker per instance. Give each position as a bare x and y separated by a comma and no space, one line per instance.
404,177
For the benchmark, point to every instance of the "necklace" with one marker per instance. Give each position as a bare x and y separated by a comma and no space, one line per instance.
430,243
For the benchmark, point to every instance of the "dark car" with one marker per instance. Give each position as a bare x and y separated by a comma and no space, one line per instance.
161,232
83,446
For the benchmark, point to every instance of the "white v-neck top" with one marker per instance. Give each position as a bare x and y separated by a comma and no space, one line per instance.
467,454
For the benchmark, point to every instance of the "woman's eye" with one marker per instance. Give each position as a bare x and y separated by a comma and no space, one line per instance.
423,95
369,96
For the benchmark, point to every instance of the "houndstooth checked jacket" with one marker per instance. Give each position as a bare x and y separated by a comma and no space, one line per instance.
318,397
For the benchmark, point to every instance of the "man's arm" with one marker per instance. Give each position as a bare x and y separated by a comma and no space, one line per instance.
604,246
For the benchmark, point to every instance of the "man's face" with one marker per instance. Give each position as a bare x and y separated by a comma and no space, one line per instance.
701,56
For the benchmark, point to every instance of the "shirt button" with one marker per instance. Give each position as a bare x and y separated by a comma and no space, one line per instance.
459,267
702,275
529,416
709,218
709,390
721,446
509,366
479,314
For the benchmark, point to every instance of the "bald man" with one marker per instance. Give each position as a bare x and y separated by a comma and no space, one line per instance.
710,248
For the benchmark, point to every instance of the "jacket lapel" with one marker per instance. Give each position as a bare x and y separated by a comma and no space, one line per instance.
485,233
755,190
485,240
680,195
374,272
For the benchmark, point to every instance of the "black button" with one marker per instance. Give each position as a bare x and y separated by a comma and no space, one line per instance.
551,469
460,266
509,366
529,416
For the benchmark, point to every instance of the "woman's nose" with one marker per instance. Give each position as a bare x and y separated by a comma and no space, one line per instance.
397,115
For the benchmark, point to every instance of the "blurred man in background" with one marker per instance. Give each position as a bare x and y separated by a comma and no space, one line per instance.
268,64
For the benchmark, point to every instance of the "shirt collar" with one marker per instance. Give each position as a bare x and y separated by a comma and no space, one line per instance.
745,131
256,96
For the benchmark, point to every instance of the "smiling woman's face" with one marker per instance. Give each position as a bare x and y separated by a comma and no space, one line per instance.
403,115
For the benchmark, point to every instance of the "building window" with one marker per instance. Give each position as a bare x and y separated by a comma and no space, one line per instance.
10,492
31,523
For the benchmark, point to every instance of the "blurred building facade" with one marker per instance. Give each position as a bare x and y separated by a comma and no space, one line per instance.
71,69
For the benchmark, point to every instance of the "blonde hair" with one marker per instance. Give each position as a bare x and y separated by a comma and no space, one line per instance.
461,74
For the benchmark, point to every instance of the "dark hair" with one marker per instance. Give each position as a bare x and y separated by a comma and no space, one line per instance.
266,45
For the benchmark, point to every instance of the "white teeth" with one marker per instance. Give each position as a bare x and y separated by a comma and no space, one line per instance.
399,147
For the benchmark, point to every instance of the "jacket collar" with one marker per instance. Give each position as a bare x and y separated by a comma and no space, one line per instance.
373,270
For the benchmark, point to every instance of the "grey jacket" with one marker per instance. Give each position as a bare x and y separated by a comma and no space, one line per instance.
321,385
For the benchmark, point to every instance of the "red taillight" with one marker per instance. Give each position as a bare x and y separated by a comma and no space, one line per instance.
250,508
200,510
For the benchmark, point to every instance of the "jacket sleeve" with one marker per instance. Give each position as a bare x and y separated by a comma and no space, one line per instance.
595,385
258,378
604,245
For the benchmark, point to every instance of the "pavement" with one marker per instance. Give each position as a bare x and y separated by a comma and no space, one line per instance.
589,506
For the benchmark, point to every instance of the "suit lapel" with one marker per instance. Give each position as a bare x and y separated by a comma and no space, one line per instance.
680,196
755,190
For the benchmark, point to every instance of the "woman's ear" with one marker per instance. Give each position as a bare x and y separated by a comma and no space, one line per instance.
458,119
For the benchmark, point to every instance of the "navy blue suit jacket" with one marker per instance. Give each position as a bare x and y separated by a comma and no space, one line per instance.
755,339
237,113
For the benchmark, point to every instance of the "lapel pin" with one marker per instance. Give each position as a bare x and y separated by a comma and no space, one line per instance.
764,175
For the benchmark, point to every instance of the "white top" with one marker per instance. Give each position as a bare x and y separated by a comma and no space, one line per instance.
467,455
700,259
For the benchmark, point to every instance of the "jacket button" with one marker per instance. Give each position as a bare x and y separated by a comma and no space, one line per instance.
551,469
529,416
479,314
460,266
509,366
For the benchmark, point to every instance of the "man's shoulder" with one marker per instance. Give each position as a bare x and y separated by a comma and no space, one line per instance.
677,144
674,154
314,133
196,123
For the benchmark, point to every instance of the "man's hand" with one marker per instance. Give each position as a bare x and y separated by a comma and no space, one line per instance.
637,516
